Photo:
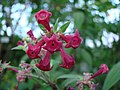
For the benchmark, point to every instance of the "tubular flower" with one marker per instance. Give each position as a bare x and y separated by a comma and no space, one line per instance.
52,44
33,51
43,17
68,61
30,33
73,41
103,69
45,63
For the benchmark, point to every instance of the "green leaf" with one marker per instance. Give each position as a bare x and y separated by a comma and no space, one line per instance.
20,47
86,56
78,19
70,76
56,25
64,27
41,27
35,68
112,77
69,81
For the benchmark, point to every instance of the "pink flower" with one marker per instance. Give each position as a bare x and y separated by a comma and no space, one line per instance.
52,44
43,17
103,69
20,43
33,51
45,63
73,41
68,61
30,33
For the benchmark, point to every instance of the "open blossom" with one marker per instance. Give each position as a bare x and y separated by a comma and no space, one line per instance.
43,17
103,69
73,41
67,60
30,33
45,63
33,51
52,44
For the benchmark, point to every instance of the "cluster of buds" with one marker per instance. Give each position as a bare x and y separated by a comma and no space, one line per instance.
87,78
24,73
50,43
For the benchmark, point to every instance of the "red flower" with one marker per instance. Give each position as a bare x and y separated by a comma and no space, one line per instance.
68,61
45,63
33,51
73,41
52,44
30,33
43,17
103,69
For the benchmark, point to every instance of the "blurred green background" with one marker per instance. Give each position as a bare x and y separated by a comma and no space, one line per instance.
98,22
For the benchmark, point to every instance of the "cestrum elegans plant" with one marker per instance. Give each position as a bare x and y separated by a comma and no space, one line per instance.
40,50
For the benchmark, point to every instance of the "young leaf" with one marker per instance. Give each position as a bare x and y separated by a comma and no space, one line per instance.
20,47
64,27
41,27
112,77
56,25
70,76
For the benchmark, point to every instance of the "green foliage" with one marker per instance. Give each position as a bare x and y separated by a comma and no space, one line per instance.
56,25
78,19
64,27
112,77
91,25
20,47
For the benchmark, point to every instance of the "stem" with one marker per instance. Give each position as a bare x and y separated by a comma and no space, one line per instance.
52,85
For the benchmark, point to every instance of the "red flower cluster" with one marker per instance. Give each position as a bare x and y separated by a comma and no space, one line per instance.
52,42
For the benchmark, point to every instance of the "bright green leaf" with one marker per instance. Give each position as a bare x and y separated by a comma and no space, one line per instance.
20,47
112,77
70,76
56,25
64,27
41,27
